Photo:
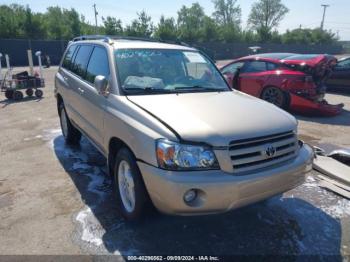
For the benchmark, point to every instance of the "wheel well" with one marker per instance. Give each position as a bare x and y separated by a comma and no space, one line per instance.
265,87
285,93
59,102
115,144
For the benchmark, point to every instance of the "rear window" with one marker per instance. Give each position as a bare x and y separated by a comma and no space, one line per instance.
81,60
278,56
67,61
301,57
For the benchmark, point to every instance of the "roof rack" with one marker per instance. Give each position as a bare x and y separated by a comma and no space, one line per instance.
109,39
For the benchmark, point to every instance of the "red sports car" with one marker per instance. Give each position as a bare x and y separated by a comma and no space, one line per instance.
290,81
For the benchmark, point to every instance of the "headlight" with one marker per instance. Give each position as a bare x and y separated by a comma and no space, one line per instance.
175,156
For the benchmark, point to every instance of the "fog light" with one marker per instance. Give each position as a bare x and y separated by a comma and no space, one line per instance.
190,195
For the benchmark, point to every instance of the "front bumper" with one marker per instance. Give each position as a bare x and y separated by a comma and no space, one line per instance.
220,191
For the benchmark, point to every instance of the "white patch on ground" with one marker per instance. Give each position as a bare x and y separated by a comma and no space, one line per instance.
340,210
341,207
92,231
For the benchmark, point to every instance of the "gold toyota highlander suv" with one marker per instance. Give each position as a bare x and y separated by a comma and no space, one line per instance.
173,132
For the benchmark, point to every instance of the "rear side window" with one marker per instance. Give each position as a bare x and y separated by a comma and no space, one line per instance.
259,66
98,64
81,60
271,66
255,67
67,61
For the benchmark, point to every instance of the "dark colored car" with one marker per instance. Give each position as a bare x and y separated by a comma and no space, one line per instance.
340,78
275,76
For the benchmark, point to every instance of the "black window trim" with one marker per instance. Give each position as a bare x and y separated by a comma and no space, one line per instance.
80,45
72,57
75,54
87,65
255,60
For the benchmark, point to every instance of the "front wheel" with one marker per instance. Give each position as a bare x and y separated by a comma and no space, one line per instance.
39,93
71,135
131,194
9,94
29,92
275,96
17,95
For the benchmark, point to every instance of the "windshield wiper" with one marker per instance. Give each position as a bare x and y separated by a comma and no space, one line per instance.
148,90
199,89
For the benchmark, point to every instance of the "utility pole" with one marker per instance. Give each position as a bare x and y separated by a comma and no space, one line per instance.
324,15
94,6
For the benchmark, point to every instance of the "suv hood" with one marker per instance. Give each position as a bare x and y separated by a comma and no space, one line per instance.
216,118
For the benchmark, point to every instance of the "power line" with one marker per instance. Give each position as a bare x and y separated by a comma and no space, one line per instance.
324,14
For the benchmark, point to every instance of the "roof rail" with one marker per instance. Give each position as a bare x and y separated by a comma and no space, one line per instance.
109,39
93,37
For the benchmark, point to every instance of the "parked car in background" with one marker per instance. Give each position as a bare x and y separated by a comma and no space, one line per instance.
173,132
340,78
275,76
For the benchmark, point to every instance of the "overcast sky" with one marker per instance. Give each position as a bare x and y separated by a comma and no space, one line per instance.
307,13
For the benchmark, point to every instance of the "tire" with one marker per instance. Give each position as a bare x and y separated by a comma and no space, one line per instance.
29,92
126,173
9,94
275,96
71,135
39,93
17,95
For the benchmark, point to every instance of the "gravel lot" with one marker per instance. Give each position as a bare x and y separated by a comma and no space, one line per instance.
56,200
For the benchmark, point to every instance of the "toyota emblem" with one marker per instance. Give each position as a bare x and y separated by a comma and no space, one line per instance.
270,151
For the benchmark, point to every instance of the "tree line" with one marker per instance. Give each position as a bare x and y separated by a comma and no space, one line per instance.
191,25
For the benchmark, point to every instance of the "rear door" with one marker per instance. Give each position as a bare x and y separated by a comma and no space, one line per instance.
77,82
92,103
63,79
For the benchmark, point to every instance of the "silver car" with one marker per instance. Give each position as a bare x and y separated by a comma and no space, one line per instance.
174,134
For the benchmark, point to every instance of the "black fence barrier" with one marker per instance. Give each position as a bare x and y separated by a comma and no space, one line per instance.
17,49
222,51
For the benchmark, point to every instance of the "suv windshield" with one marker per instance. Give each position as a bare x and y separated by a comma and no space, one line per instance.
144,71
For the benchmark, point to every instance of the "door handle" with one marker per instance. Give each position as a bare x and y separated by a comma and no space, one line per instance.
81,90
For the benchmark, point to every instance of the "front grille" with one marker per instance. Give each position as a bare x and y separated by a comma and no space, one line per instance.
248,155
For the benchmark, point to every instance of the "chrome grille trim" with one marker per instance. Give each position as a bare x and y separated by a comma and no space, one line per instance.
250,154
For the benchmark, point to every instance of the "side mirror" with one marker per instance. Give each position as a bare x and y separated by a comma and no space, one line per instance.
101,85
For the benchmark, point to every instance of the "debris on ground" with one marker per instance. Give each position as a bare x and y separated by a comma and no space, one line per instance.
335,170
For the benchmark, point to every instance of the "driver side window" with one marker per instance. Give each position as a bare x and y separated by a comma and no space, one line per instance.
233,68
